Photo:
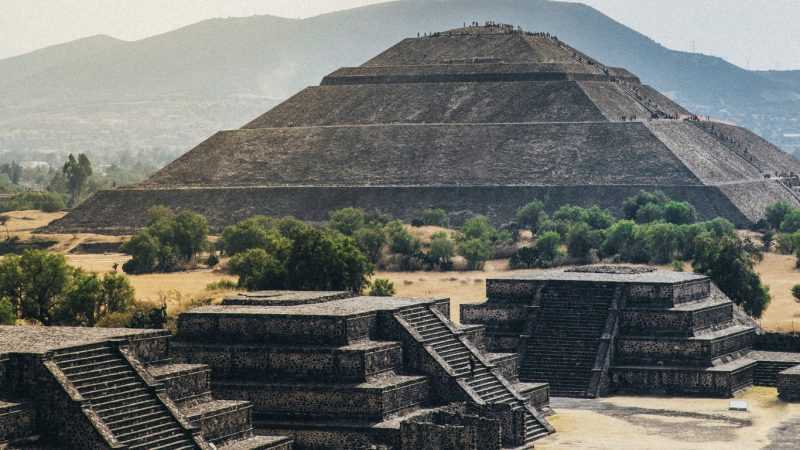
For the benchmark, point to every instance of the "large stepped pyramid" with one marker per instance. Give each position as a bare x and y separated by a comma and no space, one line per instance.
478,119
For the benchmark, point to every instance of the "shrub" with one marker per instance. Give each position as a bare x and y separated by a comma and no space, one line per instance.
476,252
319,260
43,201
167,241
255,232
631,205
775,214
579,241
141,316
442,250
788,243
381,288
435,217
212,260
791,221
347,220
651,212
796,292
478,227
400,240
258,270
677,265
679,213
7,314
544,253
371,240
530,216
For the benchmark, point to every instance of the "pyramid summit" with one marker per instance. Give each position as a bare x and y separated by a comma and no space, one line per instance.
475,120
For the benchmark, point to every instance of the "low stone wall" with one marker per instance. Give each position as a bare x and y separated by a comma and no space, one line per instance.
679,351
650,322
659,295
221,325
264,362
452,428
328,401
777,342
679,381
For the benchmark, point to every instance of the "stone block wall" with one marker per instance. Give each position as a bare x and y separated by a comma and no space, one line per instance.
648,322
679,351
679,381
789,384
453,428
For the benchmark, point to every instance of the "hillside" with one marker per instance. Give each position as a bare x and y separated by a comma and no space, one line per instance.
166,93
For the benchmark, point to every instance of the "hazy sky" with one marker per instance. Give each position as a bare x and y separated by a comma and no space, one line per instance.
759,34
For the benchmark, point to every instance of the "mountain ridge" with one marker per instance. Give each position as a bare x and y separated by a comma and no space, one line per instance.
241,66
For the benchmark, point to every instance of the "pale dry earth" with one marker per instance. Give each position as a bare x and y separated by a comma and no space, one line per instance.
639,423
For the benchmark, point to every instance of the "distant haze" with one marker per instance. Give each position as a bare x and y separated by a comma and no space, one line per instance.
755,34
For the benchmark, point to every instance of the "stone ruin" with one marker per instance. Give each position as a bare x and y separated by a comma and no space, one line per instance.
598,330
477,120
271,370
287,370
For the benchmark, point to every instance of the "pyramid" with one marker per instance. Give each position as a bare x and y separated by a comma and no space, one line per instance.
476,120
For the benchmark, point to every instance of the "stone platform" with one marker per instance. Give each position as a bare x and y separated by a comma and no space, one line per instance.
597,329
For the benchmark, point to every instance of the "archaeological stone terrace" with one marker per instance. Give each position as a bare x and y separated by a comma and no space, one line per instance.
598,330
476,120
270,370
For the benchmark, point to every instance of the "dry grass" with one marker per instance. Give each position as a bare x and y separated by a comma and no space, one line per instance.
778,272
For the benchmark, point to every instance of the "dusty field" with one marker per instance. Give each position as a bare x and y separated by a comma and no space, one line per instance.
778,272
628,423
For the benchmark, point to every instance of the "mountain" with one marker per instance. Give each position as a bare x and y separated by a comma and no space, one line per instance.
164,94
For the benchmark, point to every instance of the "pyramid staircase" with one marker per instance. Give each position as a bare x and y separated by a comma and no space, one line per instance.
565,343
486,385
129,408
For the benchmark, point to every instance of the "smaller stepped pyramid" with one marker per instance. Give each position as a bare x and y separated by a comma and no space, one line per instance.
92,388
475,120
348,373
594,330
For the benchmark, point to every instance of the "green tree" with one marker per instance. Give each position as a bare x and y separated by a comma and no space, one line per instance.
548,248
478,227
435,217
775,214
726,261
400,240
796,292
371,240
190,234
77,173
662,241
649,213
579,241
255,232
530,216
618,240
442,250
325,260
258,270
381,288
631,205
791,221
347,220
144,249
44,279
7,314
90,298
679,213
476,252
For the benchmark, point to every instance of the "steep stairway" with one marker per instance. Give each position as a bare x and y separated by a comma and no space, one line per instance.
467,365
122,399
564,346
